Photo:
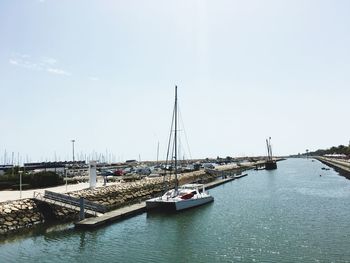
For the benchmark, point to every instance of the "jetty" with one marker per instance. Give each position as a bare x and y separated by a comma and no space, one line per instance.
138,208
112,216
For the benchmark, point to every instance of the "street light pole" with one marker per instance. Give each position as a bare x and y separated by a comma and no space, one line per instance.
20,184
65,171
73,141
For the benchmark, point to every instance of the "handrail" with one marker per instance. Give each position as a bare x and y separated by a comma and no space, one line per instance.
40,196
75,201
37,194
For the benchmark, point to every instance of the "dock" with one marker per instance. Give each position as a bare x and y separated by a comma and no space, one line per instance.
223,181
136,209
112,216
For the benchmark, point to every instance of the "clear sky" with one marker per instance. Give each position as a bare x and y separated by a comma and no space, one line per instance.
103,72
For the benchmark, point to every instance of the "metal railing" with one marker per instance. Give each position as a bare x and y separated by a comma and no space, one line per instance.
39,196
74,201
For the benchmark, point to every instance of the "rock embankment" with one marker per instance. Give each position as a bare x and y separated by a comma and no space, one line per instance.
341,166
19,214
26,213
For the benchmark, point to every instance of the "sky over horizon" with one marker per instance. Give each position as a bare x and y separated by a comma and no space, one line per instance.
103,73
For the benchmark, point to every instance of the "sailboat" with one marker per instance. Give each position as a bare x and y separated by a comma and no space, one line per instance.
270,163
181,197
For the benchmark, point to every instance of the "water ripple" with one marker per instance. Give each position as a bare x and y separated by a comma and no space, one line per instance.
289,215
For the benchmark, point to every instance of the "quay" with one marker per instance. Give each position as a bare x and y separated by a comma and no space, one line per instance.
223,181
136,209
340,166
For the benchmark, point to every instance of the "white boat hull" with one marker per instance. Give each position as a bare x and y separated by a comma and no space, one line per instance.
185,204
176,204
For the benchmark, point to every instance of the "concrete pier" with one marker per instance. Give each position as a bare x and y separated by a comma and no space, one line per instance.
112,216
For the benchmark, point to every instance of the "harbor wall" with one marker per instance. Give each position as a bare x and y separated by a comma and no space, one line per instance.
19,214
341,166
26,213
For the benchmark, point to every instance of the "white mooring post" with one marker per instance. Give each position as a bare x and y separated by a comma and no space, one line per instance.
92,174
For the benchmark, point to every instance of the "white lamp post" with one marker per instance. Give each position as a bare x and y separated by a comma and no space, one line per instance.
20,184
73,141
65,173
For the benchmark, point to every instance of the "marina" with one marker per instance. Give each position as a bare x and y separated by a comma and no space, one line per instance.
268,216
174,131
47,205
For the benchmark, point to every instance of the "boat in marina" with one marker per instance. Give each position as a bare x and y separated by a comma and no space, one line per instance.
181,197
186,196
270,163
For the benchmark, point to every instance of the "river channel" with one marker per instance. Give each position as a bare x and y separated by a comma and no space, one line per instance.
297,213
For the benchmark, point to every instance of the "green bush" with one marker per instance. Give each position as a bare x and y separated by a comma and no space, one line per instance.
5,185
17,187
37,180
43,179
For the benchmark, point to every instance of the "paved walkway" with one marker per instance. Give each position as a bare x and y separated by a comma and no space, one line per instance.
15,195
341,164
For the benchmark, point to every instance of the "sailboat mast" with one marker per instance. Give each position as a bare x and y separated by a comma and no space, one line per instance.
158,153
175,139
268,150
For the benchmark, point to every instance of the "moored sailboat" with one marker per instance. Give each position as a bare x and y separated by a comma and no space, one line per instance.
270,163
181,197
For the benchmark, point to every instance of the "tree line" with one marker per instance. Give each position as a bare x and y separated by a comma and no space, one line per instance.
341,149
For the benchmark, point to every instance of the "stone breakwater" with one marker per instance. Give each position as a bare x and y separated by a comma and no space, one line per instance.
19,214
26,213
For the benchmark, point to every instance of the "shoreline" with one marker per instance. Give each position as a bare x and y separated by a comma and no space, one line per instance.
17,215
342,167
139,208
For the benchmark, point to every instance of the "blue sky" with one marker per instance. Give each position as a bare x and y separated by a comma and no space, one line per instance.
103,73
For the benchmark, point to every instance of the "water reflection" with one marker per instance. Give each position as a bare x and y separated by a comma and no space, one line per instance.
82,241
37,231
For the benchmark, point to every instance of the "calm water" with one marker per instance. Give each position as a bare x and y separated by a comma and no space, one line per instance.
288,215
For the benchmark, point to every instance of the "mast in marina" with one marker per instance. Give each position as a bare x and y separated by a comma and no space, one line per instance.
175,139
